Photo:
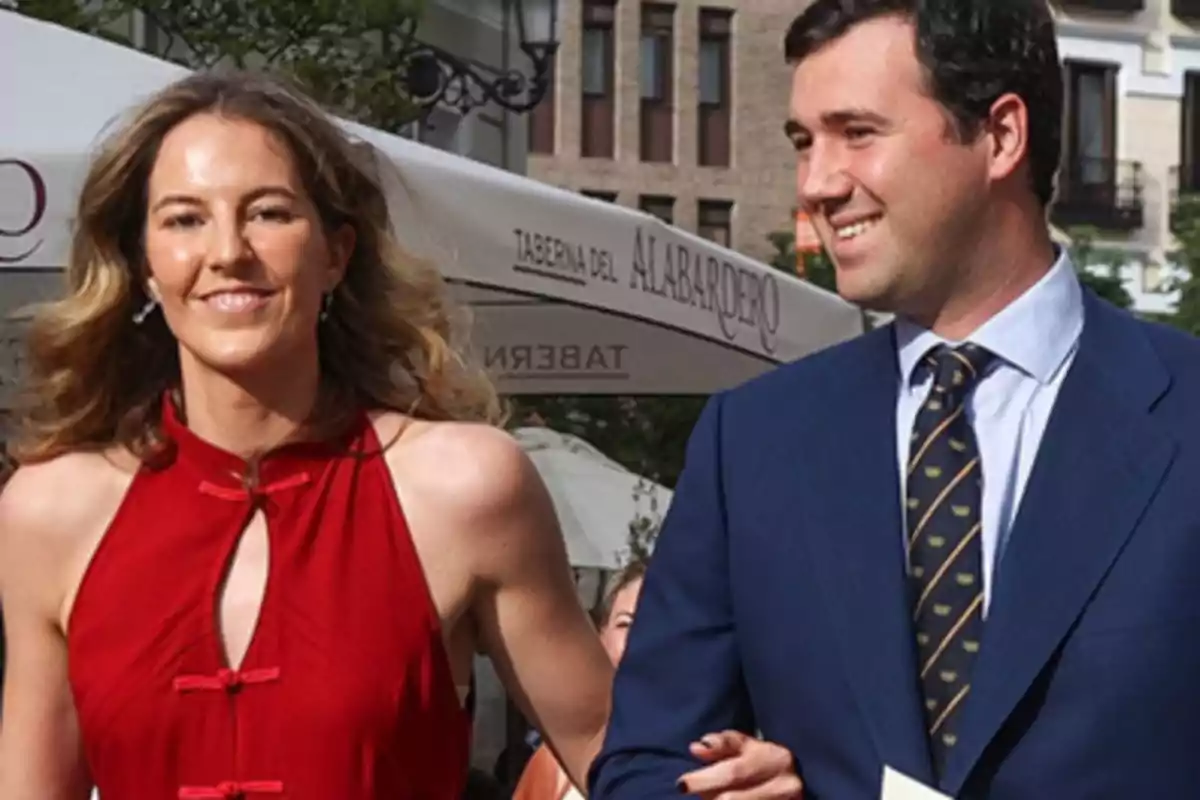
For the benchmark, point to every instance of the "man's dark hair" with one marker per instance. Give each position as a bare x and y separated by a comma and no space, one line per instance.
972,52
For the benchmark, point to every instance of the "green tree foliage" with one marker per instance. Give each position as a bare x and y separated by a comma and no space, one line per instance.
1186,259
1098,266
645,434
350,55
95,19
644,528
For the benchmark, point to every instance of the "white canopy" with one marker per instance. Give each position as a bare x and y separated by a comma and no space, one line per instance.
595,498
571,295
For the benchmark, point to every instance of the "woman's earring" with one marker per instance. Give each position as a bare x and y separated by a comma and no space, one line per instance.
326,302
145,311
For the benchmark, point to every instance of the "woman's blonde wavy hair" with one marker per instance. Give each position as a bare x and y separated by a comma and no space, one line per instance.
96,379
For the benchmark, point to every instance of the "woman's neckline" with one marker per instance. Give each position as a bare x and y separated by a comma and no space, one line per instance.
282,462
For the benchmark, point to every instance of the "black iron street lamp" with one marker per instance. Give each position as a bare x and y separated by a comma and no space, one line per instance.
355,51
436,76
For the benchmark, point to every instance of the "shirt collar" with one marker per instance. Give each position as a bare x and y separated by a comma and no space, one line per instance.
1035,333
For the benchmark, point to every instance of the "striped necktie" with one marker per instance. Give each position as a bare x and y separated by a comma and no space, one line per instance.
944,488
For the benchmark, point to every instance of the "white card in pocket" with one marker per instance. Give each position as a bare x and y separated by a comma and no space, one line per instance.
898,786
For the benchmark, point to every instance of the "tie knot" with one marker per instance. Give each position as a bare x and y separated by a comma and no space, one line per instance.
958,369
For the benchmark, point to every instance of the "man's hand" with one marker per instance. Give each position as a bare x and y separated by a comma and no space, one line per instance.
740,767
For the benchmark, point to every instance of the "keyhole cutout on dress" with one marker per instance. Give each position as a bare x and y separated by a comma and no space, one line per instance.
241,594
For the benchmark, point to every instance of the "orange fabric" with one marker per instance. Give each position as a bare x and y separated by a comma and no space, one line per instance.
542,778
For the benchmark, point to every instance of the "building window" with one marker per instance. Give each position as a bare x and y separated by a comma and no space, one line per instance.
542,117
656,64
596,80
596,194
658,206
715,221
1189,135
714,117
657,82
1089,152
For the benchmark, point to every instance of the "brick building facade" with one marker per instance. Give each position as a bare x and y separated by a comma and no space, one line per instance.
677,109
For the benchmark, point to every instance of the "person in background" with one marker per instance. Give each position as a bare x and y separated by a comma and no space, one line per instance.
544,778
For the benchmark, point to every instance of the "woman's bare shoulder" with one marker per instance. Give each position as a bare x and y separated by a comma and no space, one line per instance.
60,501
472,488
474,466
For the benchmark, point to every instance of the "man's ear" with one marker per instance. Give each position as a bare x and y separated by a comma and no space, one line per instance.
1007,128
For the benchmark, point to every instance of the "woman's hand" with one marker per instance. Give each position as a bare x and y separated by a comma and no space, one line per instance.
740,767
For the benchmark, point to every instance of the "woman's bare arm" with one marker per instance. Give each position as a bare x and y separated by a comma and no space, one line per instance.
495,555
40,751
488,500
531,621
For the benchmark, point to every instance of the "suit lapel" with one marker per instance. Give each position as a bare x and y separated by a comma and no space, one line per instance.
856,543
1100,462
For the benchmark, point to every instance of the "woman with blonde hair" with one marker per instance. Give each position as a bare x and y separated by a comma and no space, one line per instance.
262,519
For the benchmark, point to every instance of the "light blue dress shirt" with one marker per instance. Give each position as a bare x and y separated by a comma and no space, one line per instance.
1034,339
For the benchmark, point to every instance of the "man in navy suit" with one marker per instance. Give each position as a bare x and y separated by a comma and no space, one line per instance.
967,544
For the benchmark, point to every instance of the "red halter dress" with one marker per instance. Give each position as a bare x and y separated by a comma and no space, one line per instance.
345,691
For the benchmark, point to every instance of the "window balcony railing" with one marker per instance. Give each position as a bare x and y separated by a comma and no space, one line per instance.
1104,5
1104,193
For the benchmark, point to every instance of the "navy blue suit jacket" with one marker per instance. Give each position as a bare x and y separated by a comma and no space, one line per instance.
776,600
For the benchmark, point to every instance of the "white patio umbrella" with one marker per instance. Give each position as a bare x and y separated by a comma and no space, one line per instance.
596,498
